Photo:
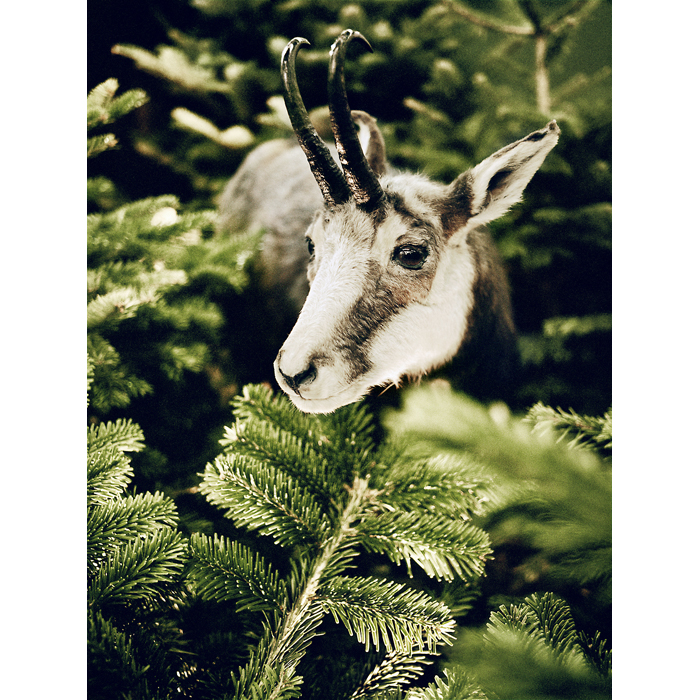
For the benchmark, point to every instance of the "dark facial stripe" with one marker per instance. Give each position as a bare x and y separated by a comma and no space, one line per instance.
374,308
410,218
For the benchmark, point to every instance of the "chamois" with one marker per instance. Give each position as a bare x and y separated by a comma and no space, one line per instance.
395,275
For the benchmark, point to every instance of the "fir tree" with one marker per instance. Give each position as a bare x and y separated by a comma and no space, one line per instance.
135,562
323,492
159,288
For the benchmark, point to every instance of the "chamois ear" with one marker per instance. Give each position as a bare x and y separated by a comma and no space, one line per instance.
372,141
488,190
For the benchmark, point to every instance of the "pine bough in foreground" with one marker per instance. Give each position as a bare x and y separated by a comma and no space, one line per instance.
135,563
321,489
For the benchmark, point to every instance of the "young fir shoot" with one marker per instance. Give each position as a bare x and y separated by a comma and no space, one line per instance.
320,489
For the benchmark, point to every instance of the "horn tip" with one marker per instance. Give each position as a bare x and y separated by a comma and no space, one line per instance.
296,42
349,34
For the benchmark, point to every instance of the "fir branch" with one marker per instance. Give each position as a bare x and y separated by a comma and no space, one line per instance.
441,484
114,385
142,570
377,611
111,657
590,431
296,455
486,22
283,644
350,447
576,482
444,548
217,259
108,473
103,107
174,65
260,497
458,685
271,681
101,143
117,305
227,570
322,452
554,619
596,651
113,524
538,643
123,435
133,231
395,670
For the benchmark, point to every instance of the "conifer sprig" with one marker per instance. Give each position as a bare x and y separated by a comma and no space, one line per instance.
438,485
119,521
144,569
444,548
558,499
123,435
540,650
391,673
306,482
135,566
262,498
103,108
457,685
226,570
386,612
577,430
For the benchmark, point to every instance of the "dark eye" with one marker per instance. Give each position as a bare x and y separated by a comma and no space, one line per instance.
310,246
411,257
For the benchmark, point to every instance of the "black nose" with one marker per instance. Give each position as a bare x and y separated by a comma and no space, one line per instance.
304,377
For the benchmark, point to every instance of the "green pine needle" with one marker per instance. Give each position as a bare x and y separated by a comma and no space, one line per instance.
444,548
143,570
263,498
387,612
228,570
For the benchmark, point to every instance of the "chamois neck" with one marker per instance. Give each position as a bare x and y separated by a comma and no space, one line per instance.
488,362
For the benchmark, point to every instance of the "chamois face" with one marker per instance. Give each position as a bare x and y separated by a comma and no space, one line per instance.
390,295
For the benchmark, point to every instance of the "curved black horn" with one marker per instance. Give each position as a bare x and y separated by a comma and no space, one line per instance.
363,182
327,173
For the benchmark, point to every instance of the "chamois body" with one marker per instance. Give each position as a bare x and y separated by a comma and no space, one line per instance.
388,274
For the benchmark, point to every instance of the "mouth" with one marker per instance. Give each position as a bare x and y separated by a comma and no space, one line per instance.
326,404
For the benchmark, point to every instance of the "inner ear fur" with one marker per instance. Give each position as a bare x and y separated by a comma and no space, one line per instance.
488,190
372,141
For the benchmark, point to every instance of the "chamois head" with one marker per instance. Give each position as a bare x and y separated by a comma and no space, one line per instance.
399,272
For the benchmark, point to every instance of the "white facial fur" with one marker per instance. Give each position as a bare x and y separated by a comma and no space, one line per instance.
416,320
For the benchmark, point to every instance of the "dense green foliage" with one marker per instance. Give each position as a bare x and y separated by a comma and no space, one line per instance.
440,549
327,525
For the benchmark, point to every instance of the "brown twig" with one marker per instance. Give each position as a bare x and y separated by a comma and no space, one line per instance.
485,22
566,19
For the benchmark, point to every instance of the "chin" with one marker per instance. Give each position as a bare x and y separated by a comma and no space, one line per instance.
327,404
